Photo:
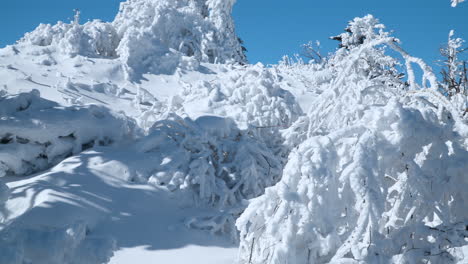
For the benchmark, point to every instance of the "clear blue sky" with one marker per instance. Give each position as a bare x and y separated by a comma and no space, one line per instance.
272,28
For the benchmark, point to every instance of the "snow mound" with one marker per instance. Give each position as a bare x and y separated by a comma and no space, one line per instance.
53,245
353,194
36,133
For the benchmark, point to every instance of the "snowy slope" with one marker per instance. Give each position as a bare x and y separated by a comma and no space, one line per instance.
145,139
88,198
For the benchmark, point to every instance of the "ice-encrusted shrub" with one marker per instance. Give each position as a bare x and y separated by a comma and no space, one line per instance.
160,36
212,159
389,189
385,184
211,156
36,133
72,244
358,76
93,39
252,98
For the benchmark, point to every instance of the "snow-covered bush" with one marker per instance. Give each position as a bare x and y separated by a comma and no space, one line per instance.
251,97
358,76
212,160
158,36
151,36
377,176
93,39
36,133
212,157
385,189
54,245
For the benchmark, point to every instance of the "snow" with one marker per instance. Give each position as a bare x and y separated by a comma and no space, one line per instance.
150,138
107,212
456,2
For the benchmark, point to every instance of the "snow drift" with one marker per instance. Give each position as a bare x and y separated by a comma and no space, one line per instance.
36,134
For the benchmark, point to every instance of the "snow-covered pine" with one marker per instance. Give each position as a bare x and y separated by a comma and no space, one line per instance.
358,76
384,187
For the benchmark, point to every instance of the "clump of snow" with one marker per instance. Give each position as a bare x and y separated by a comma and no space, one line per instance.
456,2
36,133
54,245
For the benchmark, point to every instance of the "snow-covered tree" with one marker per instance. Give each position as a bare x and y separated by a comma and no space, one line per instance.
358,75
455,75
377,175
152,36
455,71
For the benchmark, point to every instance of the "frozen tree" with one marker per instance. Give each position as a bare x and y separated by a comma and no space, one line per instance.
176,34
381,191
377,175
357,76
455,71
152,36
455,74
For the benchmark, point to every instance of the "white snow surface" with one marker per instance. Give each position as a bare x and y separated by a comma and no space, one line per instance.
145,139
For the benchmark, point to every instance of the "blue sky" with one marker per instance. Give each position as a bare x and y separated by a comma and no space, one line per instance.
272,28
